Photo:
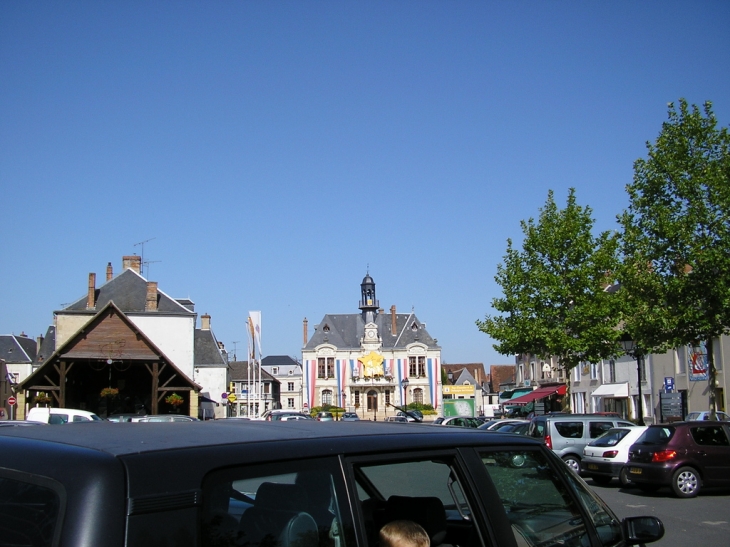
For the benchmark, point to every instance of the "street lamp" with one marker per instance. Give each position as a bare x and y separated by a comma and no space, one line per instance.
630,348
404,384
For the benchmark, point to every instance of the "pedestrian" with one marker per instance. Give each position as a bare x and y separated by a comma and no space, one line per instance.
403,533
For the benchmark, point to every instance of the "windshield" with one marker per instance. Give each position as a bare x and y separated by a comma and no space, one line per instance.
656,435
611,438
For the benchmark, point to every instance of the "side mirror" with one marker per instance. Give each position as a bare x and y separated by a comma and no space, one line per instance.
639,530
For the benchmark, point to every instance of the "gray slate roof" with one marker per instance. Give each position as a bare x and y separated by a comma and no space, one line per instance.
239,372
128,291
279,361
346,331
207,352
17,349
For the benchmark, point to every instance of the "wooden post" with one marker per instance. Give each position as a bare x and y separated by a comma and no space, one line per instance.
193,403
155,384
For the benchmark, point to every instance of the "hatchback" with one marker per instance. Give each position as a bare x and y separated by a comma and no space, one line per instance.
458,421
686,456
350,417
705,415
324,417
604,458
215,483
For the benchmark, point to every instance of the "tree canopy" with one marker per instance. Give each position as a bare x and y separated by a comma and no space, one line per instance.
554,302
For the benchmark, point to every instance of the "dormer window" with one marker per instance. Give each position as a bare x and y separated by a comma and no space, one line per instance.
326,328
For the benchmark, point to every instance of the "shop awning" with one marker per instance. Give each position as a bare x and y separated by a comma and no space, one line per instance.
539,393
612,391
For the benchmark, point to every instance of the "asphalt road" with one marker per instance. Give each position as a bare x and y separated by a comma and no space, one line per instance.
703,521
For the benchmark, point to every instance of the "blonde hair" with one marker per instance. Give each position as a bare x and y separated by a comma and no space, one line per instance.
403,533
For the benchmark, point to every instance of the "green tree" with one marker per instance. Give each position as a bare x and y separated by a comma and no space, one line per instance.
554,301
675,275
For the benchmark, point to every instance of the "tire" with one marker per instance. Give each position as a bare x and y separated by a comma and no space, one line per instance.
572,461
686,482
602,480
624,479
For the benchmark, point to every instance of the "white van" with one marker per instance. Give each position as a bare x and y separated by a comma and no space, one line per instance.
60,415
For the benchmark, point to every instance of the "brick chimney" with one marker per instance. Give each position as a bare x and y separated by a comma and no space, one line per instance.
205,321
150,303
91,296
304,331
393,327
132,262
109,271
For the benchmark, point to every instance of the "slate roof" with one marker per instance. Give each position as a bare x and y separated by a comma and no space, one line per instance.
128,291
474,370
48,346
239,372
279,361
207,351
17,349
345,331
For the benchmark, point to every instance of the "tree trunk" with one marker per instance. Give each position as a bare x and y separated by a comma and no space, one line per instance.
711,379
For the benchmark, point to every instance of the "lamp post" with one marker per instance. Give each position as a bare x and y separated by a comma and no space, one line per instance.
630,348
404,384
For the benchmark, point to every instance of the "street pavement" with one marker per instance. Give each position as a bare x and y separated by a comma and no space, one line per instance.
703,521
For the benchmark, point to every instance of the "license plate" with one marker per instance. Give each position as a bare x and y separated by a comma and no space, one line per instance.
635,470
592,466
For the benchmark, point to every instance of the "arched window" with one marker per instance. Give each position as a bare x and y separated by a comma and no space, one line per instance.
418,395
326,397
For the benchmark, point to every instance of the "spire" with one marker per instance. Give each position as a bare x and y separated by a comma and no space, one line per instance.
368,303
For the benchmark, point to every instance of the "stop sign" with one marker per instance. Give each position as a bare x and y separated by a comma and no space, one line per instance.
12,401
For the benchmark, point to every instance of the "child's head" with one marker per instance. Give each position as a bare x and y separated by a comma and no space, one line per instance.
403,533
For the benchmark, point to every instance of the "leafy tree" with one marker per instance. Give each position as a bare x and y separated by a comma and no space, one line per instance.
675,276
554,300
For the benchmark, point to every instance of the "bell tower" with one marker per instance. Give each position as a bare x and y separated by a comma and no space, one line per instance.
368,303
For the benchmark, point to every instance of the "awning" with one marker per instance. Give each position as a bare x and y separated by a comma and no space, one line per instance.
614,391
539,393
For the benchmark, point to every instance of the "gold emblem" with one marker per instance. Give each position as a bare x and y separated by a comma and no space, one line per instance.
372,364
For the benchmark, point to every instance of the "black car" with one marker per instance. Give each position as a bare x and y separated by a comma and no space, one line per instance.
256,484
685,456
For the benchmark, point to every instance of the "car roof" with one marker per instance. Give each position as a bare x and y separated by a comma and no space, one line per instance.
120,439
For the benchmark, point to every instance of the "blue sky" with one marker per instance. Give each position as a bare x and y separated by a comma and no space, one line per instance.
274,151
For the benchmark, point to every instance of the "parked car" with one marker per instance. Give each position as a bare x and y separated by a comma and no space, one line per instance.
458,421
686,456
324,417
56,416
168,418
278,414
605,457
568,434
411,415
295,417
350,417
705,415
493,425
123,417
217,483
518,428
401,419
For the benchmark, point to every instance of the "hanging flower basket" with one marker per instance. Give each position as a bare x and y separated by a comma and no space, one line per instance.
42,398
109,392
174,400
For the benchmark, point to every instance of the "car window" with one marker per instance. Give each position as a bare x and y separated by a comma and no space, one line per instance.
611,438
656,435
596,429
294,504
625,424
30,512
709,436
570,430
537,428
58,419
78,418
537,502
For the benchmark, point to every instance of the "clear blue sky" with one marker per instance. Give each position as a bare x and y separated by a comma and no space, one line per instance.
275,150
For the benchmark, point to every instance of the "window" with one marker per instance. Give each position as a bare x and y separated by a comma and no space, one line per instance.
709,436
290,402
417,366
326,397
609,372
290,386
418,395
357,398
387,397
596,429
576,373
642,369
31,508
325,367
570,430
594,371
286,503
274,371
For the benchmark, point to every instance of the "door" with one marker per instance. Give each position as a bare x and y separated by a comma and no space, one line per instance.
372,401
713,453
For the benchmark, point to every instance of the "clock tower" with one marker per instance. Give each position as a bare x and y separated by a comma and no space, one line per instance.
368,303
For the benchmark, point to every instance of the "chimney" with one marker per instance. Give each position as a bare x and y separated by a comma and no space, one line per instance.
109,271
91,296
393,329
150,303
205,321
304,328
132,262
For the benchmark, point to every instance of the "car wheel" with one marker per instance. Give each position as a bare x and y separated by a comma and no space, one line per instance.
623,478
573,462
686,482
601,480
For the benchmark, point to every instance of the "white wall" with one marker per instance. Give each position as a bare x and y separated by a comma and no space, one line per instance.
174,336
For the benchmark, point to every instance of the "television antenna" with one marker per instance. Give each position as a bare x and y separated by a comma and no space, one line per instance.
142,262
234,348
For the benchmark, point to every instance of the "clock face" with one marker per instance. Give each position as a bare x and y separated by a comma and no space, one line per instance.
371,334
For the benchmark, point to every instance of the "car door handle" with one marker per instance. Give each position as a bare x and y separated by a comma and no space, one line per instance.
702,453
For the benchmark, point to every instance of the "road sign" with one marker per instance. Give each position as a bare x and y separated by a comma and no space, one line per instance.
668,384
12,401
224,395
232,398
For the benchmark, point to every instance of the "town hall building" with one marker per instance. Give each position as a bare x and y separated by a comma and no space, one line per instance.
366,362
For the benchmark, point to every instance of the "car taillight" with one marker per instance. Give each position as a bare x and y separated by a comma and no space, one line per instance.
548,442
663,456
610,453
